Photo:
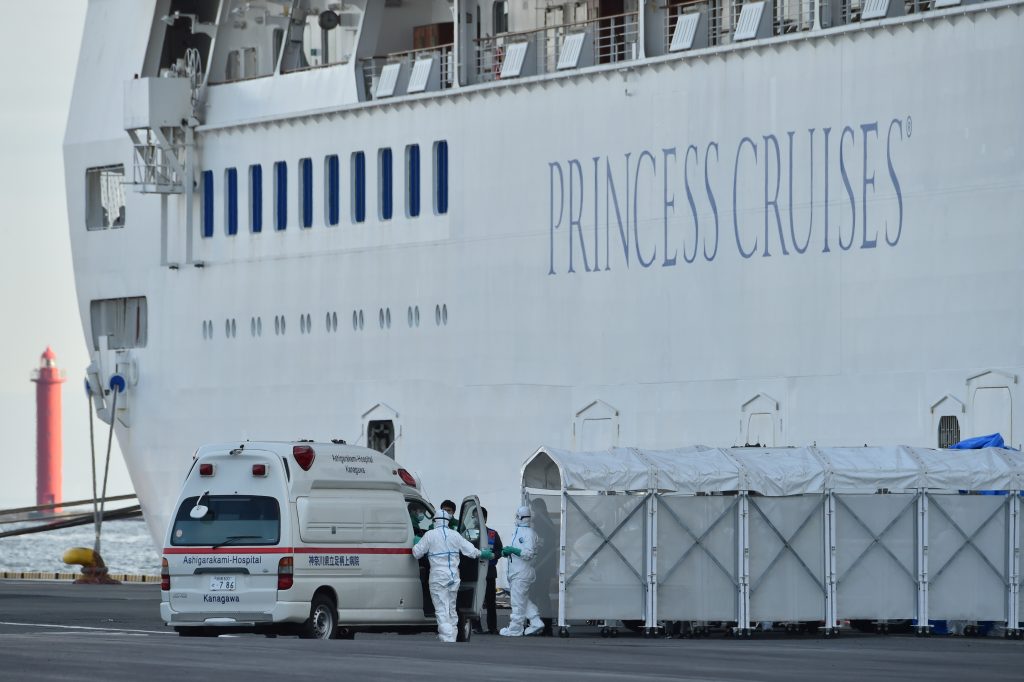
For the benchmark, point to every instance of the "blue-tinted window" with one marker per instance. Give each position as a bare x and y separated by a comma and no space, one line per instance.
256,198
386,185
358,187
231,210
441,177
207,203
332,175
412,180
281,195
306,189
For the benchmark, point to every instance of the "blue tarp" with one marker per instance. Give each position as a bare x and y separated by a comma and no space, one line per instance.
993,440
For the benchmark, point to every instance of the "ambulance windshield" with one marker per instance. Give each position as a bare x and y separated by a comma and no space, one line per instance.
230,520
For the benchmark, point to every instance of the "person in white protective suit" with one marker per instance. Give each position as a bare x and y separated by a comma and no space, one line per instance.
442,546
521,574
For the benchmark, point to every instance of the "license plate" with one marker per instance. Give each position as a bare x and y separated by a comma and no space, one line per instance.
222,583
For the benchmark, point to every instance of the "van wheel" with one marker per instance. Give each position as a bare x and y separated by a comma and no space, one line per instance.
322,621
464,629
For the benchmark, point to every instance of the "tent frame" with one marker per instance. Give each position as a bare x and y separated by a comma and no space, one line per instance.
924,498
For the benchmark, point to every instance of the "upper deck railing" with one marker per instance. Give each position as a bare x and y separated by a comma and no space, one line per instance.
606,40
439,73
656,29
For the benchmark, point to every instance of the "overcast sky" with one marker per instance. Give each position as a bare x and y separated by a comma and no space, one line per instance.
37,287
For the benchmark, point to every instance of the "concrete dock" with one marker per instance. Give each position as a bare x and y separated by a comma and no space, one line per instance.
59,631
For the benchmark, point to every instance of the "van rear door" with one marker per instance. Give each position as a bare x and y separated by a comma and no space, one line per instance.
223,562
473,572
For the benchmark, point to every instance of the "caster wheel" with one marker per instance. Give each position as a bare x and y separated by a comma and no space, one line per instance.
563,633
614,632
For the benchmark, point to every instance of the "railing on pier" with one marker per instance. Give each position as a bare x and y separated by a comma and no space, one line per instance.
54,516
605,40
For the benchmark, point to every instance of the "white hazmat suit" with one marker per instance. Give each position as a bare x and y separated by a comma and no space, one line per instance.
442,546
521,575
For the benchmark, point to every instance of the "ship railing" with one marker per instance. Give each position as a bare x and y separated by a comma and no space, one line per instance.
605,40
721,18
373,67
850,11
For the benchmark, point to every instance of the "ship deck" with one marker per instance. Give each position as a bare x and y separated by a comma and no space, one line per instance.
59,631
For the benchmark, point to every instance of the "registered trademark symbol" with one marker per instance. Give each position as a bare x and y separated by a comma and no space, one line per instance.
910,126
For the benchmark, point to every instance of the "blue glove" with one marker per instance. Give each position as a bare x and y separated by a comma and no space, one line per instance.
505,551
486,554
415,539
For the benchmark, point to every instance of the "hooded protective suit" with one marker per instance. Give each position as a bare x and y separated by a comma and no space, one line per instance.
442,546
521,552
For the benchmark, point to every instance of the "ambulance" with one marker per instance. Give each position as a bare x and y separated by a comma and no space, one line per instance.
303,538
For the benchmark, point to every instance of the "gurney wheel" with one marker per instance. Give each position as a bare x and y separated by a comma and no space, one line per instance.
614,632
563,632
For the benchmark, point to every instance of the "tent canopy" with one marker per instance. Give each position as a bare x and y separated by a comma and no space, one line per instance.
775,471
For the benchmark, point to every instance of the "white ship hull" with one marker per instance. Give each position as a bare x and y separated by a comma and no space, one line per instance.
574,317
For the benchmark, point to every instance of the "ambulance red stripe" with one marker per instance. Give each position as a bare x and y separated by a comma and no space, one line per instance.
287,550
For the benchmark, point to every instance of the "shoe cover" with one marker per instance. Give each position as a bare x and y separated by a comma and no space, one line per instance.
509,632
534,628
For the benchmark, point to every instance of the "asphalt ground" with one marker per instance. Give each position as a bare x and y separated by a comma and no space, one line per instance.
58,631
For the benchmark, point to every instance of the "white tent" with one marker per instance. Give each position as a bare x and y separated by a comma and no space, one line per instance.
779,534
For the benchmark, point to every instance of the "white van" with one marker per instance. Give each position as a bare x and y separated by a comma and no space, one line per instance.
313,539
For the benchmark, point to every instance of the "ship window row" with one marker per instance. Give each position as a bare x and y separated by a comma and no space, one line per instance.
330,322
331,186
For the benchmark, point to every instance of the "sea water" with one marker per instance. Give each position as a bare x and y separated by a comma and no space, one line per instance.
126,548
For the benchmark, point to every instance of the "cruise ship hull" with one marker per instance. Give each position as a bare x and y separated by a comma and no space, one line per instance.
811,239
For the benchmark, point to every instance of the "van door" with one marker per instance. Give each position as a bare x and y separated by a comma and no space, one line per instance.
223,560
473,572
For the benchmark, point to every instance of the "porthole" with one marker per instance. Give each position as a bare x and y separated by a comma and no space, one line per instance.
437,315
444,314
416,315
380,317
387,317
409,316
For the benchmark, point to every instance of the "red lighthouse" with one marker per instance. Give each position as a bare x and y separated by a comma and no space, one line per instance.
48,429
